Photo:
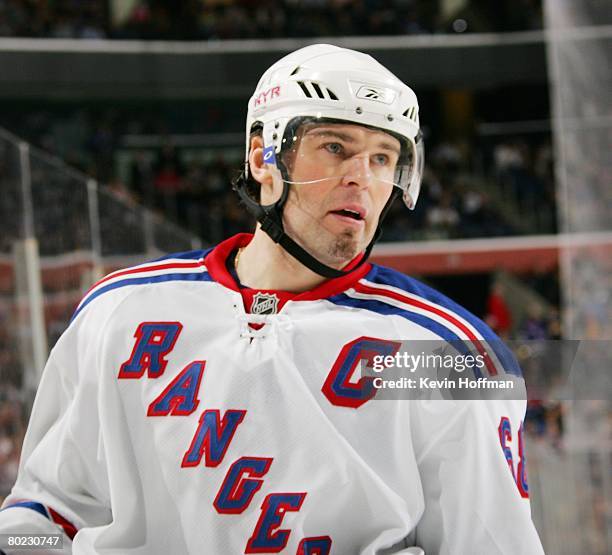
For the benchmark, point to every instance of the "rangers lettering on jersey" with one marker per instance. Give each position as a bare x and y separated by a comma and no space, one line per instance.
154,340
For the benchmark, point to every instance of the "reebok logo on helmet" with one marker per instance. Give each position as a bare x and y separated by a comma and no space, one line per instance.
367,92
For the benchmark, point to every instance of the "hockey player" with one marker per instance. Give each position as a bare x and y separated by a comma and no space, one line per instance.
210,402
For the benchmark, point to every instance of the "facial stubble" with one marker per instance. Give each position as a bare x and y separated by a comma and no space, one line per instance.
332,249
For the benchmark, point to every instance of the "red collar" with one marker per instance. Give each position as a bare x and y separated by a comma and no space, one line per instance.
216,265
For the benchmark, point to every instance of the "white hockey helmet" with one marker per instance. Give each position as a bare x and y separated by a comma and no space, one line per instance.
328,84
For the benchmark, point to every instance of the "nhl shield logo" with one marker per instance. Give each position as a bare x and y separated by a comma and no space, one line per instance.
264,303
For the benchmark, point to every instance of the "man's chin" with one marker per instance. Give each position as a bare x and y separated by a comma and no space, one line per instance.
335,250
343,249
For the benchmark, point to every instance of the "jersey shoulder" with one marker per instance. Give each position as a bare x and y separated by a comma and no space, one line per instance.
389,292
181,266
423,295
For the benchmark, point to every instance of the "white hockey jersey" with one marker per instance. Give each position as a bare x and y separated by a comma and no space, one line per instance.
169,420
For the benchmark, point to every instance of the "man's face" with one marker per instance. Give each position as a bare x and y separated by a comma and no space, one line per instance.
343,175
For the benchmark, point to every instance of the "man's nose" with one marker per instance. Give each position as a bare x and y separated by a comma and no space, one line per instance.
357,171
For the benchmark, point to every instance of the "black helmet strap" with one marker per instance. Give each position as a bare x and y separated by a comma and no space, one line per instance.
270,217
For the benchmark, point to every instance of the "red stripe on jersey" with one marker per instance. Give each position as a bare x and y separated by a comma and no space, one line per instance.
69,528
363,288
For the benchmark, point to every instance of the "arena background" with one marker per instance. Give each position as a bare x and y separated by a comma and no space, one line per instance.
122,125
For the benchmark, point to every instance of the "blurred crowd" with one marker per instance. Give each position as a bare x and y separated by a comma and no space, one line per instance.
538,327
560,373
470,188
244,19
198,194
545,413
467,193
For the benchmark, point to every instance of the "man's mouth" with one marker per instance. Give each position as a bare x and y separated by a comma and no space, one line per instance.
353,214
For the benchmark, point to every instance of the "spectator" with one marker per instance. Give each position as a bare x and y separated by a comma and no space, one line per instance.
535,325
498,314
168,180
443,218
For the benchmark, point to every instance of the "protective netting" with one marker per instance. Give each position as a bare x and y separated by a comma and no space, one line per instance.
59,206
11,230
579,54
122,227
59,232
571,493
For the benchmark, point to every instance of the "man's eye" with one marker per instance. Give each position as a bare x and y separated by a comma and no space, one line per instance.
333,148
381,159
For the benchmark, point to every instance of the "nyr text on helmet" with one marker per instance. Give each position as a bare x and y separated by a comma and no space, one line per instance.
267,95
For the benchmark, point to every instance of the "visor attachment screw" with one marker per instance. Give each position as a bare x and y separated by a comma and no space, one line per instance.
359,110
389,117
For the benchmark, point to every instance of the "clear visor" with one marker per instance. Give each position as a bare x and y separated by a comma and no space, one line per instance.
316,150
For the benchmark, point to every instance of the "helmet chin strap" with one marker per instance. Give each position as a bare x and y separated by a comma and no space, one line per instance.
270,217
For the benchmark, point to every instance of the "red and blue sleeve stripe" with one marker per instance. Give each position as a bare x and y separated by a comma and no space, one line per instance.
69,529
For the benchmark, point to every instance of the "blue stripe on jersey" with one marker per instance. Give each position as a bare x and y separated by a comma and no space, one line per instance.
387,309
38,507
386,276
187,255
199,276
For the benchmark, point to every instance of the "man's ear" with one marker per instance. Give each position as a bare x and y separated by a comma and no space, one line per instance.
258,169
